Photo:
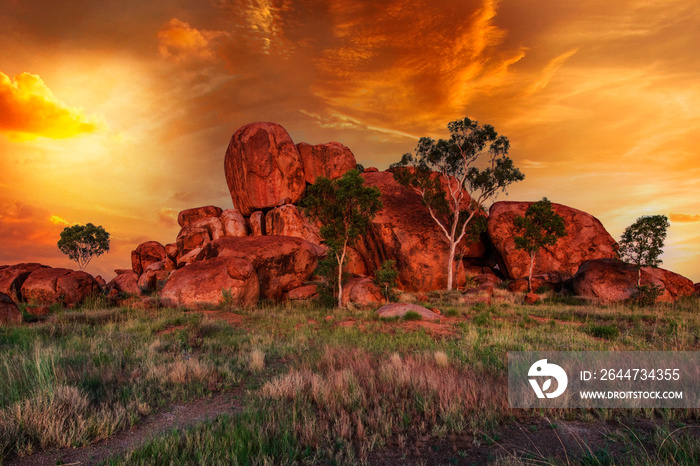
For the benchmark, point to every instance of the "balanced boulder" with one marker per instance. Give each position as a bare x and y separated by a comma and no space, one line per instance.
331,160
586,239
288,220
282,263
189,216
211,282
234,223
263,168
145,254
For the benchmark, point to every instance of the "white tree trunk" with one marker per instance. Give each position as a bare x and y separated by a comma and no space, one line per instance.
529,275
340,273
450,264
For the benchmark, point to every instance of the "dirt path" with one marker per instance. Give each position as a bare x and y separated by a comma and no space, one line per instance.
176,416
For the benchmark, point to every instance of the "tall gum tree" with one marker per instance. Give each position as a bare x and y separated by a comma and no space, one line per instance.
456,176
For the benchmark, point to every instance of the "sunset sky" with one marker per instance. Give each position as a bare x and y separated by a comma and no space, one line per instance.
119,112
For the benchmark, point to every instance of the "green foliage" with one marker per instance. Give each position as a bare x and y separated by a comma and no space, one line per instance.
646,295
385,278
412,315
540,227
344,207
444,171
609,332
83,242
328,290
642,242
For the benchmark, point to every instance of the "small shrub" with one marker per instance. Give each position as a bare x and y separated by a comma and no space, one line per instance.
543,289
385,279
609,332
451,312
646,295
411,315
256,362
482,319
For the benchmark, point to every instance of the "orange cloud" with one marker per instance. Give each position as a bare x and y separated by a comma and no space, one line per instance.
684,218
167,217
180,41
28,109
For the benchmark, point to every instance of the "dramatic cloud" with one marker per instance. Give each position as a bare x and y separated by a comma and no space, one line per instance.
180,41
684,218
29,109
167,217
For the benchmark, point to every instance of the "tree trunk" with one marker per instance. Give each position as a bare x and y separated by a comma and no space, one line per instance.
450,265
340,273
639,277
529,275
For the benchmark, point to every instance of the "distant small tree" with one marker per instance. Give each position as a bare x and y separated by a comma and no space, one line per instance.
540,227
444,171
83,242
641,244
344,207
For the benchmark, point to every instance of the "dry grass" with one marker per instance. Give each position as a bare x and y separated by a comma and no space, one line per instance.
256,362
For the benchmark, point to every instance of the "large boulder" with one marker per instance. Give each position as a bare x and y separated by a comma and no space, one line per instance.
288,220
154,277
189,238
610,280
189,216
64,286
12,278
586,239
126,283
404,231
362,292
401,309
331,160
281,262
9,312
212,281
234,223
263,168
146,254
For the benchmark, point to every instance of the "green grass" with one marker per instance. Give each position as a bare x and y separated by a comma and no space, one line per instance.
318,391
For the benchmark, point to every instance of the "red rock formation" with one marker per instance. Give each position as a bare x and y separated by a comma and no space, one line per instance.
206,282
302,293
68,287
153,277
288,220
331,160
145,254
362,292
404,232
354,263
212,225
586,239
9,312
12,277
189,238
125,283
610,280
234,223
263,168
189,216
257,223
281,262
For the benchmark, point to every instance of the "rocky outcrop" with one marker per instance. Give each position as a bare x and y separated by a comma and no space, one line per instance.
331,160
282,263
257,223
263,168
191,237
146,254
12,278
404,232
189,216
302,293
610,280
361,292
9,312
234,223
401,309
288,220
586,239
212,281
47,286
125,283
154,277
